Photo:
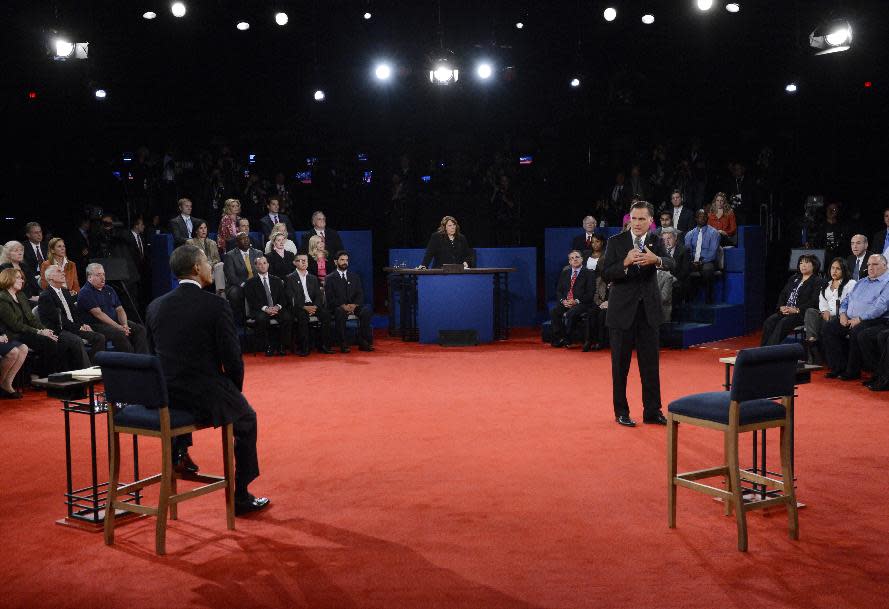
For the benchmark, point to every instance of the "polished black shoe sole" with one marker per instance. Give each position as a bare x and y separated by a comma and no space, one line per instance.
625,421
254,505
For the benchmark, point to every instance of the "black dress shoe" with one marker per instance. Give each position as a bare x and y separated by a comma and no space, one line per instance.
282,351
269,352
9,395
250,504
832,374
585,348
344,349
303,352
597,347
879,386
365,347
658,419
625,421
183,464
325,350
849,377
869,382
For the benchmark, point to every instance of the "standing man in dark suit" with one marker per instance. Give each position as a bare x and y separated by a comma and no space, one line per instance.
193,334
58,311
79,246
182,226
35,247
331,239
345,297
584,241
619,196
683,216
575,291
239,266
634,312
306,299
880,243
132,248
857,262
268,221
268,300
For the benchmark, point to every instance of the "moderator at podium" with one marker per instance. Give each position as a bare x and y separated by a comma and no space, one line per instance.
448,246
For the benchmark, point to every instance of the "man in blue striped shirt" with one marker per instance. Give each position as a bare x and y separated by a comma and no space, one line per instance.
863,314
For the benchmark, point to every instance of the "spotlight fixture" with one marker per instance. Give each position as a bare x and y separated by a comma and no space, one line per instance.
149,15
791,88
575,82
101,94
319,95
64,48
281,18
648,19
243,26
733,7
367,16
383,71
443,74
484,71
178,9
832,37
705,5
610,14
519,25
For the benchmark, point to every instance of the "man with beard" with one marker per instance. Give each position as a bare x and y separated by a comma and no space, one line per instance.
345,297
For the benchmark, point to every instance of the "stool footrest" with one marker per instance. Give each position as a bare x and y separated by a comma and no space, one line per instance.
756,478
703,488
195,492
711,472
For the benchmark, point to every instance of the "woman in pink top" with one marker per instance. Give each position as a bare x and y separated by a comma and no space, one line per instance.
228,225
317,258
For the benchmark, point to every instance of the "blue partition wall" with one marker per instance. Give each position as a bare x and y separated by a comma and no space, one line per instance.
162,280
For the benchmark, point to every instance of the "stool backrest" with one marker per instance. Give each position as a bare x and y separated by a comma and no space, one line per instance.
132,378
765,372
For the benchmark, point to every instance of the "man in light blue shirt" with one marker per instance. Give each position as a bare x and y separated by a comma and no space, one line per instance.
702,243
863,314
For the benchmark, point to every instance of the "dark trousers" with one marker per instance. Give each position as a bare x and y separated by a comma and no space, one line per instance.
596,323
844,356
643,337
702,277
76,355
96,341
235,296
777,326
303,334
882,369
871,346
136,342
365,332
46,348
246,460
570,317
285,325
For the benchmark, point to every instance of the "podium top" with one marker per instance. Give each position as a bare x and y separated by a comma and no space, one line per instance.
470,271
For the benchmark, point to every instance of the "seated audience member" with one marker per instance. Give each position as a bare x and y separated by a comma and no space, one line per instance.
448,246
182,227
318,262
798,296
100,304
12,358
722,218
596,320
880,379
834,291
280,260
58,257
583,242
683,216
307,299
13,258
596,253
211,251
671,281
243,227
574,293
239,267
267,297
880,243
289,245
36,251
57,310
666,221
228,224
857,261
702,243
267,222
330,238
346,297
862,314
830,234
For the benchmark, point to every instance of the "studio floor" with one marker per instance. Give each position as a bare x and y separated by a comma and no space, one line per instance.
489,477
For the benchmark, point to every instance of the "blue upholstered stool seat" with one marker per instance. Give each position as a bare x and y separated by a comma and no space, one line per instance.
714,406
134,415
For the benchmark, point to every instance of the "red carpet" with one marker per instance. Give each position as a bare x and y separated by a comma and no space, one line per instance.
425,477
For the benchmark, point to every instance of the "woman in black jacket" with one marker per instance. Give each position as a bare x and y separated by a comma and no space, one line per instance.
800,294
448,246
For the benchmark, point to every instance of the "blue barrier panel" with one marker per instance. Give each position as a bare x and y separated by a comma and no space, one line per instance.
442,304
522,283
735,260
410,257
162,280
359,244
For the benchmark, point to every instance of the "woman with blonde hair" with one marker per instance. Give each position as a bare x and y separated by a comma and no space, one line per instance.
722,218
58,257
317,258
13,257
289,245
228,225
280,260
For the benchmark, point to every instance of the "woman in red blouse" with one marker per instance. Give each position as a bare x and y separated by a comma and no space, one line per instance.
722,218
228,225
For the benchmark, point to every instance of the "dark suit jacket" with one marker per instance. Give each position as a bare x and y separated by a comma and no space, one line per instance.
584,285
180,231
278,266
341,292
850,263
686,219
295,291
876,244
235,270
193,333
31,257
579,243
16,316
265,223
332,242
232,244
128,250
255,293
681,261
439,251
637,283
806,298
52,314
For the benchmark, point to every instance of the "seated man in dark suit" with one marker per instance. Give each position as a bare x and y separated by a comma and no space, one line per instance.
35,246
182,226
58,311
243,227
345,297
108,317
857,262
268,300
306,298
583,242
574,292
193,334
268,221
330,238
683,215
238,268
671,281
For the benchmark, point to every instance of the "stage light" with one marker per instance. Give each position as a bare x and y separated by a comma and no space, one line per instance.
383,71
575,82
443,74
868,84
833,37
149,15
367,16
648,19
733,7
519,25
319,95
791,88
243,26
281,18
484,71
705,5
101,94
610,14
32,94
64,48
178,9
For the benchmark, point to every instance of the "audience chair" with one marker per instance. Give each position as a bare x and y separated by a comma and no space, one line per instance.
136,392
760,375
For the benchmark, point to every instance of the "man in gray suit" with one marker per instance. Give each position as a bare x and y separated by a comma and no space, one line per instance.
239,267
182,226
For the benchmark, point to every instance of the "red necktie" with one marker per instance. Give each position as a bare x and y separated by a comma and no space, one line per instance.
571,287
589,242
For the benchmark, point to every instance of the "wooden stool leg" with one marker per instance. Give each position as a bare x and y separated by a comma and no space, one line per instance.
672,450
114,476
160,533
726,504
228,464
174,489
789,491
735,480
